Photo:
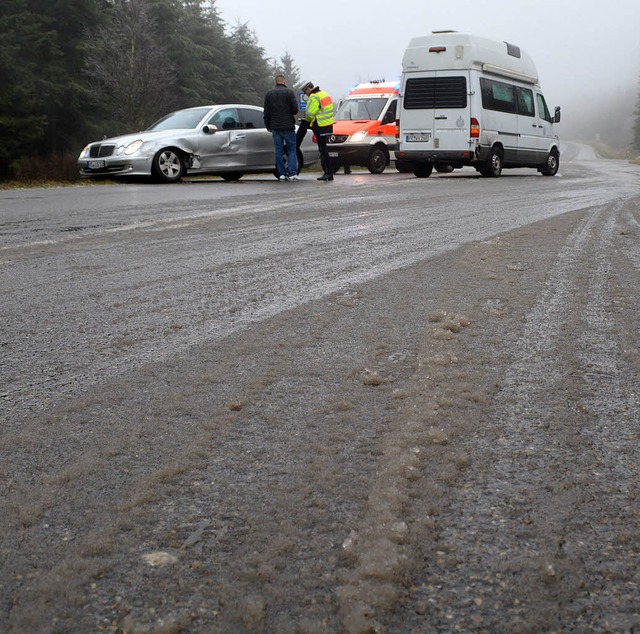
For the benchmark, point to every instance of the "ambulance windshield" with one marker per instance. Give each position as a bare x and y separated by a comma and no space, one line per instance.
363,109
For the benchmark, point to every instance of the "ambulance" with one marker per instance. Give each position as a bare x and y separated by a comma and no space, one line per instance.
364,131
469,100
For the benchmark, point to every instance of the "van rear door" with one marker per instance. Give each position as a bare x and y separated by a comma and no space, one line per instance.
451,117
436,112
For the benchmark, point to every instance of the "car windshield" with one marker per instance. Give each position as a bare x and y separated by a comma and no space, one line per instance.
180,120
365,109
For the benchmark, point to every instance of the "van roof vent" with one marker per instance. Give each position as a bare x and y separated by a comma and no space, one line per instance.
513,50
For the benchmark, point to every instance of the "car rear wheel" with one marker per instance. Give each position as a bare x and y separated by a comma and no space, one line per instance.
168,166
377,161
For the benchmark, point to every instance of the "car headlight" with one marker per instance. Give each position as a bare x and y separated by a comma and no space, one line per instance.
133,147
85,152
358,137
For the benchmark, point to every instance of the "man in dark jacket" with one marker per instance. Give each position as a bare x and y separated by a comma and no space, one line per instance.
280,106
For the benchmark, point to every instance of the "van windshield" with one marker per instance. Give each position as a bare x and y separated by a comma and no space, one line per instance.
366,109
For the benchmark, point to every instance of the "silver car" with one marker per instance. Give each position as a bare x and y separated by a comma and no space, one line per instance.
225,140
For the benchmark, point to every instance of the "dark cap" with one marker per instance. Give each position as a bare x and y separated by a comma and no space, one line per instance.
306,87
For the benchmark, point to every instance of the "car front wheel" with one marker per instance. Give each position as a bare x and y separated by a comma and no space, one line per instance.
168,166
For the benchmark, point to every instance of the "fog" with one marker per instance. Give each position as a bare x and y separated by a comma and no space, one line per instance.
585,50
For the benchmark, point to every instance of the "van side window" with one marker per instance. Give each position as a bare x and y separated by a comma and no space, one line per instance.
497,95
435,92
525,101
543,111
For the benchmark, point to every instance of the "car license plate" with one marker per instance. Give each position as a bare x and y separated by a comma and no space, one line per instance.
418,138
333,154
96,165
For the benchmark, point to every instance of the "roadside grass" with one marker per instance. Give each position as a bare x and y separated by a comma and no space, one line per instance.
609,152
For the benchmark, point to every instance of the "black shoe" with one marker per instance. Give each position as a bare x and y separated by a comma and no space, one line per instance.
325,177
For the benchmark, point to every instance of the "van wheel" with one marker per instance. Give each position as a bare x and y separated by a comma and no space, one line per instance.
552,165
403,167
493,166
444,168
377,161
423,170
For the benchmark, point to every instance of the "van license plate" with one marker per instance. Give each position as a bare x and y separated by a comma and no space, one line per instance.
96,165
418,138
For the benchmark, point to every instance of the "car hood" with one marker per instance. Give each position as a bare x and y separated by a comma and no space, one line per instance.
125,139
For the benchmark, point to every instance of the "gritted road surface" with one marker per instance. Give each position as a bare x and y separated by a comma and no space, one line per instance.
384,404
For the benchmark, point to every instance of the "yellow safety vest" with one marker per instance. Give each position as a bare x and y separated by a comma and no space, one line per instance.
319,108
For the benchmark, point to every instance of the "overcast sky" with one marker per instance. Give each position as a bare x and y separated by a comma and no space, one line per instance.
577,45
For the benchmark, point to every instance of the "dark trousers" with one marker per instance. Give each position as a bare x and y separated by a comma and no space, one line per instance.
323,135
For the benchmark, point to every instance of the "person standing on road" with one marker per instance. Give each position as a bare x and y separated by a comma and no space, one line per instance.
319,116
280,108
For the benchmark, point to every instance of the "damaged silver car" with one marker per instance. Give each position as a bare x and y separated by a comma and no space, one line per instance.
225,140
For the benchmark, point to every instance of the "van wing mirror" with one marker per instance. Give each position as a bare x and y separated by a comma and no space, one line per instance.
556,118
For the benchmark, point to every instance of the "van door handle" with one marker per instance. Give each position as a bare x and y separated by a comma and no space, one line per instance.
440,117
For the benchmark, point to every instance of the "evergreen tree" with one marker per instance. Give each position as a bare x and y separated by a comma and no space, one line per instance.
133,75
636,124
286,66
192,33
62,92
249,67
22,45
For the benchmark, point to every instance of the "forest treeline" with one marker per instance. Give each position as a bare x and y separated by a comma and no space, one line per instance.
73,71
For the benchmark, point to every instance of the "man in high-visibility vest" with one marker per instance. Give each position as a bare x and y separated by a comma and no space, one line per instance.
319,116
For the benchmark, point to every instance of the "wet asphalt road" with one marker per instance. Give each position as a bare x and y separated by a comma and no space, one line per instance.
385,404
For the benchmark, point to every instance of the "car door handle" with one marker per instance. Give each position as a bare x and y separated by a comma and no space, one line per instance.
441,117
241,136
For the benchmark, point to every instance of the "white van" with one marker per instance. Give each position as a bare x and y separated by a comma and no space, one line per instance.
469,100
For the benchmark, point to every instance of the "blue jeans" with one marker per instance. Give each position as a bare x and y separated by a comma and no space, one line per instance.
285,139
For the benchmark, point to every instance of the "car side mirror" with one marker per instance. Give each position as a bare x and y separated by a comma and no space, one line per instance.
556,118
210,129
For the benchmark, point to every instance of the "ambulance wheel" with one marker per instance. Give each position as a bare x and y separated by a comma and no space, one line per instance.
552,164
423,170
377,160
493,167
